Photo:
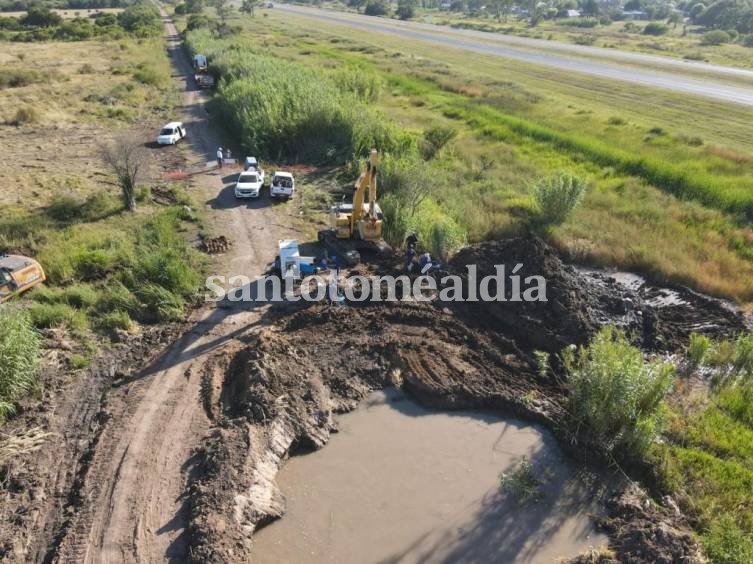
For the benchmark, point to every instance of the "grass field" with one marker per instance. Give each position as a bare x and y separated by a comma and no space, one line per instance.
668,179
107,268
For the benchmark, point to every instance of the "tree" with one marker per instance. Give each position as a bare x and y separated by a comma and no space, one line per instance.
41,17
674,19
590,8
194,6
406,9
377,8
223,9
247,7
127,159
500,8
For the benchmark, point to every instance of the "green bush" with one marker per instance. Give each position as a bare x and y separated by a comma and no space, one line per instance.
286,110
579,22
46,316
117,319
715,37
20,348
614,394
376,8
38,16
558,196
697,348
66,208
146,74
655,28
435,138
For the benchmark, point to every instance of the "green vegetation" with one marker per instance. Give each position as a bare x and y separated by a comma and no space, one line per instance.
521,482
558,196
40,23
615,396
668,181
707,456
105,273
19,357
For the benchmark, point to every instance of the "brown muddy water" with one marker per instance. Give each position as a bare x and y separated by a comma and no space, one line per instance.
400,483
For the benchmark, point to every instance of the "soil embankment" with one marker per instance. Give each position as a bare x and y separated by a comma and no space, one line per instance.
276,393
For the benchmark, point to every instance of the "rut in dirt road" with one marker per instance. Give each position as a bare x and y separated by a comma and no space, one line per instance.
132,506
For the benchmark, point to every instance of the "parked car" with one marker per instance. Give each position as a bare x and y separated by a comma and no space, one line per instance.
283,185
248,185
171,133
250,163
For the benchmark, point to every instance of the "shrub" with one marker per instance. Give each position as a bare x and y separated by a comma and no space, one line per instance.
435,138
614,395
697,348
117,319
19,358
16,78
558,196
614,120
141,19
715,37
655,28
25,115
148,75
521,482
748,40
40,17
286,110
376,8
80,296
46,316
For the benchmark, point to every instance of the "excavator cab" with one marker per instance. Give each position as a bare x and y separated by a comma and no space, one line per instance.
18,274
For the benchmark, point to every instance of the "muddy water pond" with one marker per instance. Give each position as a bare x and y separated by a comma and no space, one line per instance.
399,483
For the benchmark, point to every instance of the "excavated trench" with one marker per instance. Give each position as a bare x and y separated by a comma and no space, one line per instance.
279,391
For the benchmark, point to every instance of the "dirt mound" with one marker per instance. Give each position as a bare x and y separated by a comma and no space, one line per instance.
642,531
579,302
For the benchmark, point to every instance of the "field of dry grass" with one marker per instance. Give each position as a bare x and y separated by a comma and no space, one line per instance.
66,101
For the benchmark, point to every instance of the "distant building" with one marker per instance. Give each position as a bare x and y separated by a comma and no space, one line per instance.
634,15
572,14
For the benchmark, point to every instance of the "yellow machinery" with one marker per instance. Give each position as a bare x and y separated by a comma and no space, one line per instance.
18,274
359,221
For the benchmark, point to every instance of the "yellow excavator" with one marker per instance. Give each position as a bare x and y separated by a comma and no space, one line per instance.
357,227
18,274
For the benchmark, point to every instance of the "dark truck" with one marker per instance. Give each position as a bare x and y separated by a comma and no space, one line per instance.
201,72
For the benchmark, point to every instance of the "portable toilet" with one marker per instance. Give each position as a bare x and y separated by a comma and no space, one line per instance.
290,258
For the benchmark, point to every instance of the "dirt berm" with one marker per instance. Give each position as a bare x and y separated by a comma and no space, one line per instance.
274,393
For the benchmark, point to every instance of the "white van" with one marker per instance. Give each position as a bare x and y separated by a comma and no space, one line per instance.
283,185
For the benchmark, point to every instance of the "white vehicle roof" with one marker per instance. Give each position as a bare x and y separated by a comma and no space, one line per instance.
284,174
251,160
244,176
173,124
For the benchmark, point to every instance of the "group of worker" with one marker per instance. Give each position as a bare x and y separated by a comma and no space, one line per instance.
411,250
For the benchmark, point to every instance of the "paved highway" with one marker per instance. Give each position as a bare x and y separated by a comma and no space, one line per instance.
724,84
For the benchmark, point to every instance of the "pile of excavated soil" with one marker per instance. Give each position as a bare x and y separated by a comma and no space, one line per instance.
276,393
579,303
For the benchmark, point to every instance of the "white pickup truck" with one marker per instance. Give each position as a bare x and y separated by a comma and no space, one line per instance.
248,185
283,185
171,133
250,164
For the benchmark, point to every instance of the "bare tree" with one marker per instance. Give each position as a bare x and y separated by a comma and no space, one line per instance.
126,157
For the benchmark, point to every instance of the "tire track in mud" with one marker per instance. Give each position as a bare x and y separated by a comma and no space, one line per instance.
130,503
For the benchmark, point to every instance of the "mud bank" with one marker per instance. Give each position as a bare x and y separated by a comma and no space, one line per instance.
275,393
400,483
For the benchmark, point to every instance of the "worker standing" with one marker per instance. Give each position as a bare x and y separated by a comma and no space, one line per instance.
219,157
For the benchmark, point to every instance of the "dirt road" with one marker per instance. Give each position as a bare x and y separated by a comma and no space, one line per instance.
626,67
132,506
